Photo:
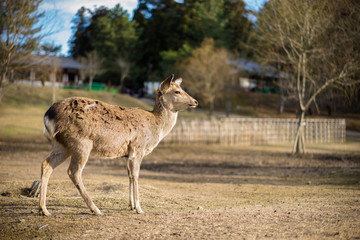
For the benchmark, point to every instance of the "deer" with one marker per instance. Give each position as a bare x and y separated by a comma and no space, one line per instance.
80,127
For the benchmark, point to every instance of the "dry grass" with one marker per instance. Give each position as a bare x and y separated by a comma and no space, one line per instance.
196,192
187,192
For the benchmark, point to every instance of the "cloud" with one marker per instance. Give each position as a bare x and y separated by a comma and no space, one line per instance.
254,5
71,6
58,16
129,5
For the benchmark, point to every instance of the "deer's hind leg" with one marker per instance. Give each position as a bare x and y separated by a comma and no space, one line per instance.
57,156
77,164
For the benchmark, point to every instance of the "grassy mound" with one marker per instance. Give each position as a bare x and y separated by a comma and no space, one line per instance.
19,96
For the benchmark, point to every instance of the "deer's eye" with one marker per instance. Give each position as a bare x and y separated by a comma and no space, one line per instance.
177,92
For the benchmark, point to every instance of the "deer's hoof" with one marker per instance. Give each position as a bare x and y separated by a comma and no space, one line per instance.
44,212
97,212
139,211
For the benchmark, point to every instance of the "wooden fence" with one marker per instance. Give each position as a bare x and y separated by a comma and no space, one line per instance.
254,131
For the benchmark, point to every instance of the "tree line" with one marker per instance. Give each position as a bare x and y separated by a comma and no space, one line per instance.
160,34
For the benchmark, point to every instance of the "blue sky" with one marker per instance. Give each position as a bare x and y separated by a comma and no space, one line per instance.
59,13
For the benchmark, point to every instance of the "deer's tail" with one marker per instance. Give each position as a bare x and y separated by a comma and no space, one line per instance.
49,126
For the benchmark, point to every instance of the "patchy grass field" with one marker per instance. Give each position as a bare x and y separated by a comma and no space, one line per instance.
189,192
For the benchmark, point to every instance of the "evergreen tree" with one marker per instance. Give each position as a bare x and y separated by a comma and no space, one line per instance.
108,32
80,41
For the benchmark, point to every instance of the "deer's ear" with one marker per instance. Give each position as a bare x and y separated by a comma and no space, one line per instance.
178,81
166,83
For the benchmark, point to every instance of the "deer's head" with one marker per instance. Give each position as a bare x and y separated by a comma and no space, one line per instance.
173,97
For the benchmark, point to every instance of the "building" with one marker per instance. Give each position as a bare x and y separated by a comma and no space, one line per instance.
255,77
46,70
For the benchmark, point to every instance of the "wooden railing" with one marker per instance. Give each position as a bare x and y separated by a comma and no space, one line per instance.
254,131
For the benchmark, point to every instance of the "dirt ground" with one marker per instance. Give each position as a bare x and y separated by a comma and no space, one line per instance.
188,192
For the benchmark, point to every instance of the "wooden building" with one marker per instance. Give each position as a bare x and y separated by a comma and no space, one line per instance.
46,70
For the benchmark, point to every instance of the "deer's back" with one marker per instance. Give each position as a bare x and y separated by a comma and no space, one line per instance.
110,128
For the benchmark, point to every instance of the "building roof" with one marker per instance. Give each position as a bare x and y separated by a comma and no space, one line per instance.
243,64
62,62
68,62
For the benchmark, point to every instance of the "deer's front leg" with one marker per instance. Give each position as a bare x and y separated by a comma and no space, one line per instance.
131,185
134,163
136,172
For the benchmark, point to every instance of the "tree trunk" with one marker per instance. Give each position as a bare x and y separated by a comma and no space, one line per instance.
281,105
122,84
2,87
53,80
53,92
299,144
3,80
211,108
228,108
317,107
1,93
108,86
91,78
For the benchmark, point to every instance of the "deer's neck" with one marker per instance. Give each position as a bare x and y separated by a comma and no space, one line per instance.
165,118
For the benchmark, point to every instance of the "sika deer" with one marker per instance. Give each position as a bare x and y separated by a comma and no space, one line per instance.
79,127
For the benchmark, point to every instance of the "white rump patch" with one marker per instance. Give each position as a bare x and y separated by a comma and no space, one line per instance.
49,129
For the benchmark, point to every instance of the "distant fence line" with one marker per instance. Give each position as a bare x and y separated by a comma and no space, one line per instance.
254,131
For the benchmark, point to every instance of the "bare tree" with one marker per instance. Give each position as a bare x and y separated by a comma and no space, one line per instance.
125,69
315,46
19,36
91,66
209,71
